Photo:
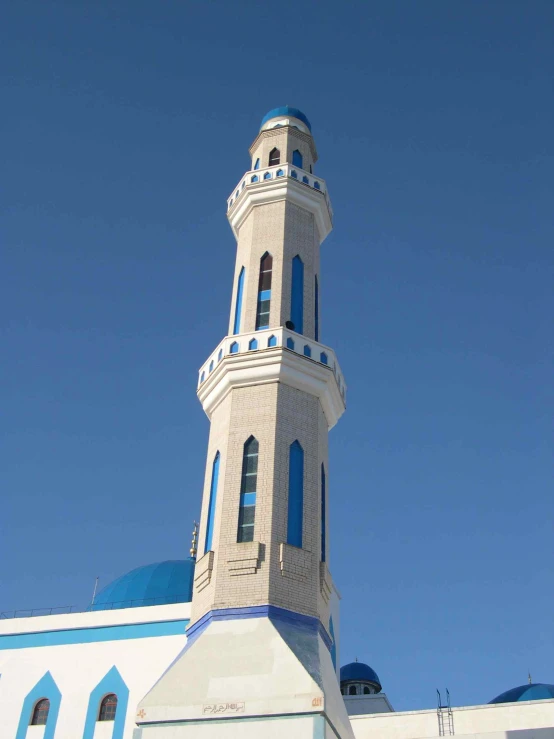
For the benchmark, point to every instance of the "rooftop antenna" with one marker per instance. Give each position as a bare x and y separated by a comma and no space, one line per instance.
194,543
94,591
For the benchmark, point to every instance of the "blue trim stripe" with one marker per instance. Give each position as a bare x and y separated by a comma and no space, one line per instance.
94,634
297,295
112,682
45,688
296,495
238,304
323,515
211,507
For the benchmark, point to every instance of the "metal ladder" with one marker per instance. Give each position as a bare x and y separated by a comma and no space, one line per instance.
445,716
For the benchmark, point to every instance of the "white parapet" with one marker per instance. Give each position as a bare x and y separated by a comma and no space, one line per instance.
273,355
281,182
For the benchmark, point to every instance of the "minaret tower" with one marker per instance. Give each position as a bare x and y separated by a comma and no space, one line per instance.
260,637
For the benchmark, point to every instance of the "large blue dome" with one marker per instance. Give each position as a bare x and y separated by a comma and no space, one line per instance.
529,692
150,585
286,111
359,672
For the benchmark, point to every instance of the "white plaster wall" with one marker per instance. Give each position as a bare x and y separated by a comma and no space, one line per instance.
496,721
78,668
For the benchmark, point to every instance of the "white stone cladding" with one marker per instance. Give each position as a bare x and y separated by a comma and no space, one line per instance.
276,415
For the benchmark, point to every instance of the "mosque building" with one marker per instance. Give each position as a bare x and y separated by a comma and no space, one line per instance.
242,639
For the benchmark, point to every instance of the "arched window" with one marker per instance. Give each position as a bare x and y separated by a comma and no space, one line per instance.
290,343
297,158
307,350
234,347
238,302
257,164
323,358
212,504
323,514
274,157
202,376
305,180
367,691
316,298
272,341
211,366
254,178
108,707
352,690
280,173
317,185
220,355
39,716
297,295
296,495
294,174
264,291
248,487
252,344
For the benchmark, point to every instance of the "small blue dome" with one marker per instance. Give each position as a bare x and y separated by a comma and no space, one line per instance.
359,672
529,692
286,110
156,584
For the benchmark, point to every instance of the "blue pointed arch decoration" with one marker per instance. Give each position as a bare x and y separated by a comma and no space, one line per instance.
212,504
238,302
45,688
297,295
295,520
112,682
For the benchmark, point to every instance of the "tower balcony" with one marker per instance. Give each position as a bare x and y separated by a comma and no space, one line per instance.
280,182
273,355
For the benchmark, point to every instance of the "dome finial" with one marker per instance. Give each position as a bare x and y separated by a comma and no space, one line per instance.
193,546
529,676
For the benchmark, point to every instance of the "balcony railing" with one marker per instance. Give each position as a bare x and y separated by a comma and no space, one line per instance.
260,177
271,338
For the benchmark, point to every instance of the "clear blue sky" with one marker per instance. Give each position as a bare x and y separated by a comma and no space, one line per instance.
124,127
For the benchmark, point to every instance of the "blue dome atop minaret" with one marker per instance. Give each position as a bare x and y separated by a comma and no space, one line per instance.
286,111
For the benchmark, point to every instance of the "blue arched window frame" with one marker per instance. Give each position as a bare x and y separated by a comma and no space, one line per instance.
112,682
248,489
45,688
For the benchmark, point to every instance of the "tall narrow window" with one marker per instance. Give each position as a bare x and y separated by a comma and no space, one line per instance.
274,157
257,165
323,514
297,158
297,295
238,302
40,712
296,495
108,708
212,504
316,298
264,291
248,486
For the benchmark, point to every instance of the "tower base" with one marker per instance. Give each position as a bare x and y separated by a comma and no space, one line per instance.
248,677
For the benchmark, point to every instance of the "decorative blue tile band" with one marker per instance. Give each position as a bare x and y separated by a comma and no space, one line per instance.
272,612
